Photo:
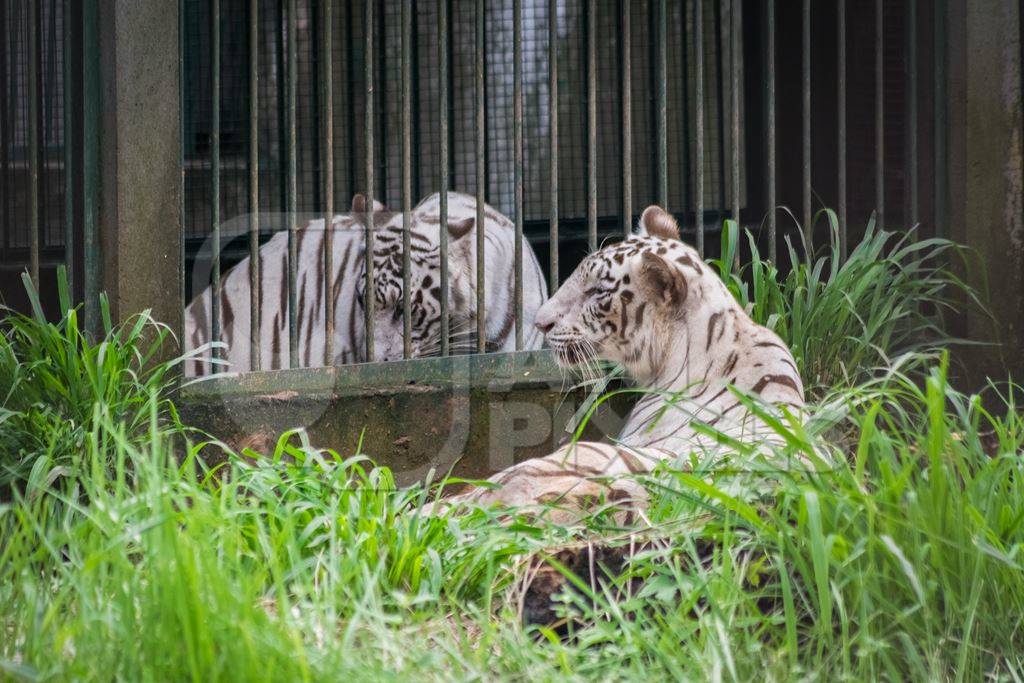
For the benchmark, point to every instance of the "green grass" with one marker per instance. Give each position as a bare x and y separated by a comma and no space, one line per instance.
845,319
124,556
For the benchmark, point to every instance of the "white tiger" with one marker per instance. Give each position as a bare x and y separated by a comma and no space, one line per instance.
650,304
348,283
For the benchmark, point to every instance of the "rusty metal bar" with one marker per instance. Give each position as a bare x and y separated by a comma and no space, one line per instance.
553,143
407,11
698,176
592,126
254,189
661,92
370,296
770,121
33,140
879,112
517,118
442,74
841,117
215,293
912,167
327,102
806,125
69,182
627,122
292,190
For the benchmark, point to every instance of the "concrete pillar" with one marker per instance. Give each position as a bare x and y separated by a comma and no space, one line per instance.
987,176
139,157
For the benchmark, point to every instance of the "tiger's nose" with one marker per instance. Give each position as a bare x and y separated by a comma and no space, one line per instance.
546,317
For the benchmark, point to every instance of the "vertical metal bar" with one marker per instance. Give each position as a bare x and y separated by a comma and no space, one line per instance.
941,139
627,122
592,126
417,121
517,122
370,298
91,101
407,11
553,143
770,112
698,48
442,76
879,113
5,135
33,140
327,101
215,170
735,57
841,127
481,182
806,123
381,105
254,190
662,95
291,183
912,110
181,171
348,93
69,185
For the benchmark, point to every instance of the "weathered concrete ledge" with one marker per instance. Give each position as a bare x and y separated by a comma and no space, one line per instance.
472,415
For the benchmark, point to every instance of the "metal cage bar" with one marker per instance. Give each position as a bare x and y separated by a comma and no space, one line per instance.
69,178
880,112
406,40
327,115
442,77
627,121
735,49
369,297
912,163
481,182
215,173
291,184
661,91
805,123
591,125
940,142
698,123
517,134
553,144
255,318
32,127
841,121
769,107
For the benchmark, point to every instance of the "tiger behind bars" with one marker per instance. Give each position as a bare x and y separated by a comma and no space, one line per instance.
348,285
650,304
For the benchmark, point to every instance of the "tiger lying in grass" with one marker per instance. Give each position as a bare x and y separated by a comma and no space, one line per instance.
650,304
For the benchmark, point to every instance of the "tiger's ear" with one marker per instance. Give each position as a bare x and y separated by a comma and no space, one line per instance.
359,204
657,222
460,228
661,282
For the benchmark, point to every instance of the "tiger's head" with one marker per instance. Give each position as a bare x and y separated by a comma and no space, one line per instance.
424,281
629,302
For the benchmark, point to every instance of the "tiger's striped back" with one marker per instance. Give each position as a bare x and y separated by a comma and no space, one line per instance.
235,320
